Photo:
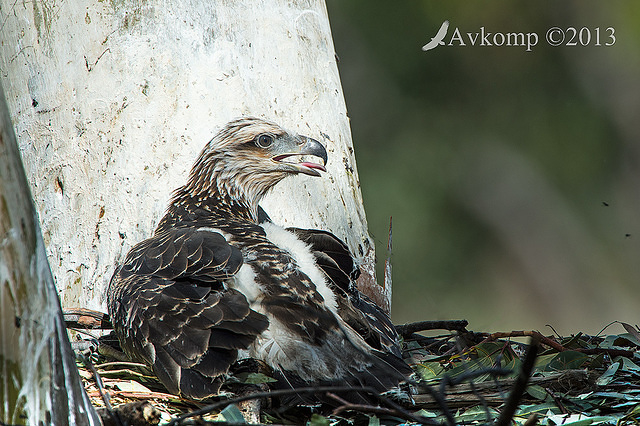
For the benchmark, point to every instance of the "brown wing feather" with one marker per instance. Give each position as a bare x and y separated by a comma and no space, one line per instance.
179,253
332,255
171,310
365,317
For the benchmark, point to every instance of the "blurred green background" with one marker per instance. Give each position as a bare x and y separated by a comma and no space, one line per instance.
513,177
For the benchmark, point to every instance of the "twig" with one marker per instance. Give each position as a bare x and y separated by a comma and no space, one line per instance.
401,412
532,420
86,318
299,391
103,393
426,342
520,385
111,352
554,330
557,400
124,371
122,364
414,327
89,66
533,334
605,327
138,395
346,405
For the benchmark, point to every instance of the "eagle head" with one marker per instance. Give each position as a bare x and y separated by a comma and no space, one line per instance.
248,157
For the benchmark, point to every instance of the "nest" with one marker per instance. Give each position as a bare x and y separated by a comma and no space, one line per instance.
461,377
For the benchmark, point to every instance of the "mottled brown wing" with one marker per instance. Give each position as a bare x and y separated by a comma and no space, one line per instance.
171,310
332,256
180,253
363,315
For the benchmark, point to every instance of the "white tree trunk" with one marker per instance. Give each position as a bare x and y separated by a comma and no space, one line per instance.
113,100
39,382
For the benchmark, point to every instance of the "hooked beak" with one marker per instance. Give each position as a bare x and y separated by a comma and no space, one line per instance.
310,147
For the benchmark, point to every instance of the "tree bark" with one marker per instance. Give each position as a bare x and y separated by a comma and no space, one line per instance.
112,102
39,381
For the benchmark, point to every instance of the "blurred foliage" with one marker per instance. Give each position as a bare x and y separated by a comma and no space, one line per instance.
512,176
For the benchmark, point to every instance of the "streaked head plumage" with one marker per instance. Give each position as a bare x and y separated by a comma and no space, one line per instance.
249,156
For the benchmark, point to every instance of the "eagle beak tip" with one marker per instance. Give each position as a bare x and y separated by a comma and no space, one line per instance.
315,148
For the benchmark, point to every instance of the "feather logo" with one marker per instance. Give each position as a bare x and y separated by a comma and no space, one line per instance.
437,40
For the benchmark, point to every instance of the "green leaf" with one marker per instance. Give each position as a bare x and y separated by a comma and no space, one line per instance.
429,370
567,360
617,395
231,414
468,367
634,333
318,420
374,421
477,413
608,376
515,365
627,365
575,342
489,352
546,408
543,360
625,405
622,341
599,361
425,413
537,392
254,378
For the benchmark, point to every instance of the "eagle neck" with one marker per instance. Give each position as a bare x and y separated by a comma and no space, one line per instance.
228,185
213,198
214,203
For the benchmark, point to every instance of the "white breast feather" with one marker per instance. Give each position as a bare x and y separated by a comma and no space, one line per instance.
301,253
281,349
245,282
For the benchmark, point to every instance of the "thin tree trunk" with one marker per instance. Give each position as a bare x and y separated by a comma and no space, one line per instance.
112,102
39,381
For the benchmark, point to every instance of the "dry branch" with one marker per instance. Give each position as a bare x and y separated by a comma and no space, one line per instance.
414,327
86,318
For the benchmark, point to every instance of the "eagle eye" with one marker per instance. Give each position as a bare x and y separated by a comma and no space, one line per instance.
264,141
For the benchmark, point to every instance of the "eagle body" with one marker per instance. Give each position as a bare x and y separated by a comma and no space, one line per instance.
218,281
